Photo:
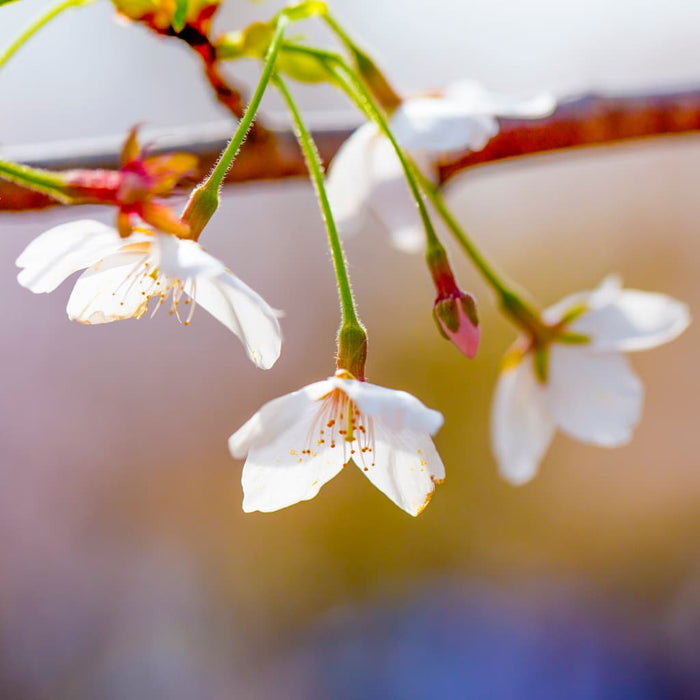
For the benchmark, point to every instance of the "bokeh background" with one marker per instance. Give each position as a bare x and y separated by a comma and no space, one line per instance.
127,569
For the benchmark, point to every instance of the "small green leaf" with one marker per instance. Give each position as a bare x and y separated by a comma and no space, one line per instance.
180,16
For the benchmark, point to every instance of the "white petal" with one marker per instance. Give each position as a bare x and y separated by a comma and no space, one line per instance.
243,311
474,99
278,474
114,289
634,320
182,259
440,125
406,466
391,200
349,179
275,417
397,410
59,252
593,397
605,293
521,427
394,207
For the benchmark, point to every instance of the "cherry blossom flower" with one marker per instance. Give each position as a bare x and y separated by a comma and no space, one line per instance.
583,384
298,442
136,188
365,175
123,275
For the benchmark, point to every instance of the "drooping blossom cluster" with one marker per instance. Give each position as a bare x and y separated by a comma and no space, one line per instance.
567,369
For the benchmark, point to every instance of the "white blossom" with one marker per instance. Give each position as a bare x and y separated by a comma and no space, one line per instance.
366,176
590,392
121,276
298,442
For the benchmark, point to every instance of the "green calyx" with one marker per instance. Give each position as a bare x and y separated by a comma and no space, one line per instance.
251,42
544,335
201,206
302,67
352,350
448,311
254,40
540,361
293,59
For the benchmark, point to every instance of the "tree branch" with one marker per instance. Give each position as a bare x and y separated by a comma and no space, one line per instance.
582,121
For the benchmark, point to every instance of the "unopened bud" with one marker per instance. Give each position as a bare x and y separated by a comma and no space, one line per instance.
454,310
458,322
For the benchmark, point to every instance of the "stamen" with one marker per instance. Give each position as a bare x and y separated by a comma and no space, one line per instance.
356,434
193,294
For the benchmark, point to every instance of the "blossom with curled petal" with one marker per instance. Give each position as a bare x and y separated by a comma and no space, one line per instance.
366,176
583,384
121,276
298,442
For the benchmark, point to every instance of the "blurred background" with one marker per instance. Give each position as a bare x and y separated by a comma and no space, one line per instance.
127,568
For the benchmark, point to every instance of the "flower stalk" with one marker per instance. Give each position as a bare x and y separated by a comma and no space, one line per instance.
36,25
512,301
352,337
204,200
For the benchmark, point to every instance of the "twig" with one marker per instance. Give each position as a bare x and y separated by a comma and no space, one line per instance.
581,121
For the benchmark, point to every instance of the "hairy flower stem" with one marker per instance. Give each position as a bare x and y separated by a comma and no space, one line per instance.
37,24
512,301
356,90
204,200
352,337
367,68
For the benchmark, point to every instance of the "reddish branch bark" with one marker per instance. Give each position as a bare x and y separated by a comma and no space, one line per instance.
583,121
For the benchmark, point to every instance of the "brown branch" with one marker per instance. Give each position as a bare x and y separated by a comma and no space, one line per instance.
582,121
196,36
587,121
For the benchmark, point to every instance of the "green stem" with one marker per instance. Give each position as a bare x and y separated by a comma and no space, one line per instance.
367,68
356,89
204,200
352,332
36,25
35,179
511,299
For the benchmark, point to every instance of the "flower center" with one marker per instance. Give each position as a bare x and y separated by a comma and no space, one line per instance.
144,279
340,426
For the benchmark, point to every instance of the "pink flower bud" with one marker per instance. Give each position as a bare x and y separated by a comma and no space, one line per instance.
457,321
